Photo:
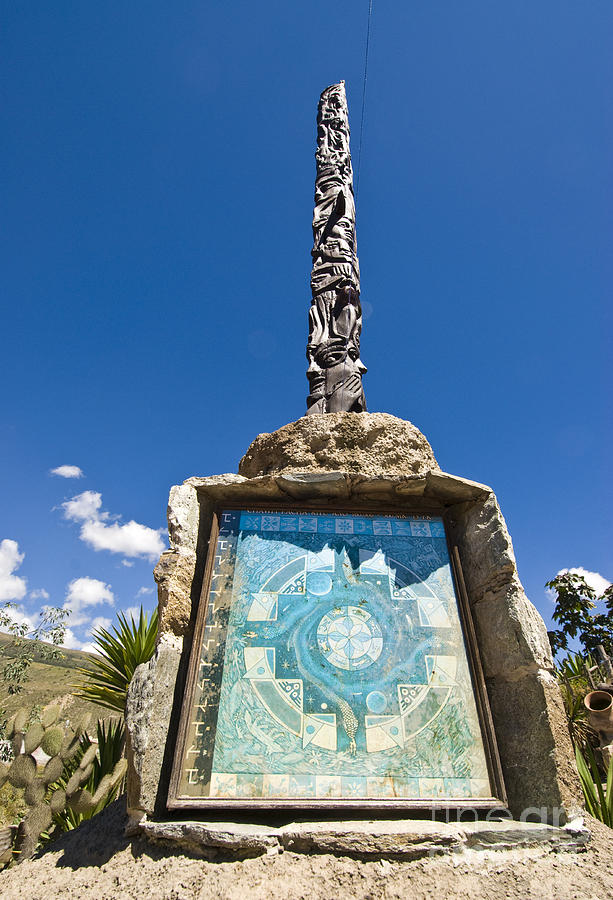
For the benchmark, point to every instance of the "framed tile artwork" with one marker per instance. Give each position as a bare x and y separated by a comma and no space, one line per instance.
333,664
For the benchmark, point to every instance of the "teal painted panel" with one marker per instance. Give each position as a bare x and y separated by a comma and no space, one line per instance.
333,664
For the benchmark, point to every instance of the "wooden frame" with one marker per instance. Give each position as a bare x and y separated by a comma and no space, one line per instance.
213,578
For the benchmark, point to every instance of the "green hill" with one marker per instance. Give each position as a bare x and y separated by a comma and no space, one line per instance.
50,681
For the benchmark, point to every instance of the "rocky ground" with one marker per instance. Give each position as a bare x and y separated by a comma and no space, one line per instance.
97,861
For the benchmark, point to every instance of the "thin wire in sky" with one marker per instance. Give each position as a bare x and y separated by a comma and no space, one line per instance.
370,3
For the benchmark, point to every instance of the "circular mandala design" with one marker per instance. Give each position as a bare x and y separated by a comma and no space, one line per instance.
350,638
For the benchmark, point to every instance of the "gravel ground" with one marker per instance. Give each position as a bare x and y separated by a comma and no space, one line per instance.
98,862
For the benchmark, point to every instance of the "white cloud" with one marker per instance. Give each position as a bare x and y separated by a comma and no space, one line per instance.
12,587
84,507
127,563
70,640
594,579
130,539
99,622
83,593
39,594
17,615
142,591
90,647
67,472
132,612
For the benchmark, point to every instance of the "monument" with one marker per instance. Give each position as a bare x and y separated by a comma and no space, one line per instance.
335,318
342,626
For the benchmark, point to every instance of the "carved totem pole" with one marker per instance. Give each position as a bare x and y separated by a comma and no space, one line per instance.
335,318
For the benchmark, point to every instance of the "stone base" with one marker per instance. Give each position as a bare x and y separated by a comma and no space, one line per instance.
370,443
400,839
363,461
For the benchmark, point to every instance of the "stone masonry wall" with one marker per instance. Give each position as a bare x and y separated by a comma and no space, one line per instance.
526,705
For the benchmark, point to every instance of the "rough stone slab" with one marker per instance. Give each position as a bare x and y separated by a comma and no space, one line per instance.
414,486
508,835
213,480
534,745
485,545
408,839
441,488
235,838
174,575
233,487
183,518
527,710
309,485
403,839
372,443
512,636
453,489
148,711
375,488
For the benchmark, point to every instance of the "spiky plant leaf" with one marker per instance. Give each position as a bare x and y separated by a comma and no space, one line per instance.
598,801
131,644
609,788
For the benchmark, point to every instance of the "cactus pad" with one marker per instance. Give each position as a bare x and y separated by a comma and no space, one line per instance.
33,737
52,741
52,770
50,716
22,771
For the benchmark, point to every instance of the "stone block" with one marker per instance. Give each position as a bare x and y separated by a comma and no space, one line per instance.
372,458
183,518
393,839
407,838
235,838
511,634
452,489
371,443
310,485
485,545
174,575
534,745
148,711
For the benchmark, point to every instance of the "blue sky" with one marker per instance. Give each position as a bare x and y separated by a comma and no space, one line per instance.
157,177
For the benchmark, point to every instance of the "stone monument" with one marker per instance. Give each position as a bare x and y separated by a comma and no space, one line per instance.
303,662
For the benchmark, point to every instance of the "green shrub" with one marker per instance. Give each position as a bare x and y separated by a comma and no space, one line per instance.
131,644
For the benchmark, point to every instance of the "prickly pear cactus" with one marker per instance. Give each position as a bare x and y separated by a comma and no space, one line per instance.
58,785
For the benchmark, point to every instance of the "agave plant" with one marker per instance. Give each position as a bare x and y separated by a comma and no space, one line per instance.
119,653
571,674
598,800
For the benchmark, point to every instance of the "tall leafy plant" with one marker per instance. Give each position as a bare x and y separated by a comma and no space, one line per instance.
598,799
119,653
28,642
574,611
571,674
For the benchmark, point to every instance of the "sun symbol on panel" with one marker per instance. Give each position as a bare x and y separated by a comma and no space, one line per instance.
350,638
